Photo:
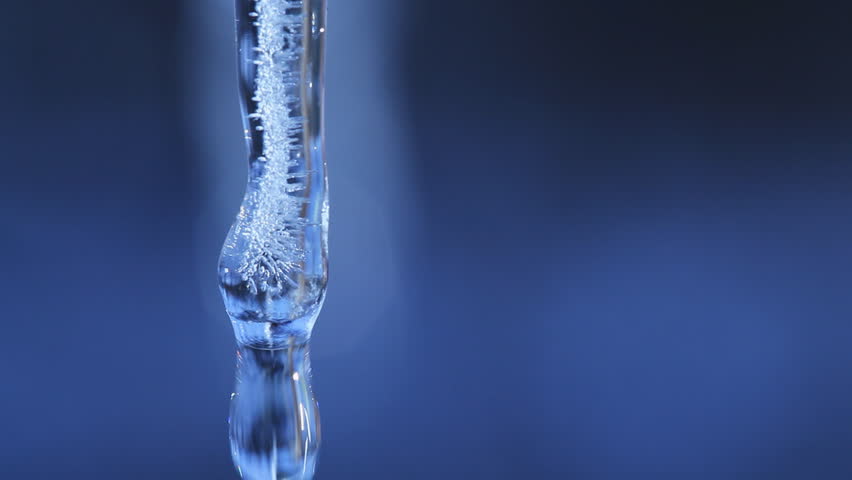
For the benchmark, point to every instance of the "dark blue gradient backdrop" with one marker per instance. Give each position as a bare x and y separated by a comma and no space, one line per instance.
591,240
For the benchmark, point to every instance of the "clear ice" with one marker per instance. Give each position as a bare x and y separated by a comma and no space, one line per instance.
273,425
273,267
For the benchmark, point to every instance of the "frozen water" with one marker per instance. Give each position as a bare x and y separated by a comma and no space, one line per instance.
273,267
274,422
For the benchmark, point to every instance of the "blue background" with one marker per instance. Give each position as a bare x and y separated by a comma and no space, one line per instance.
569,240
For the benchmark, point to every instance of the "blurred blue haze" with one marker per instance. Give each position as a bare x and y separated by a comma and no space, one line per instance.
598,240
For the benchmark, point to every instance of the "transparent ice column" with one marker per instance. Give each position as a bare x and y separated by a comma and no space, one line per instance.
273,267
274,423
